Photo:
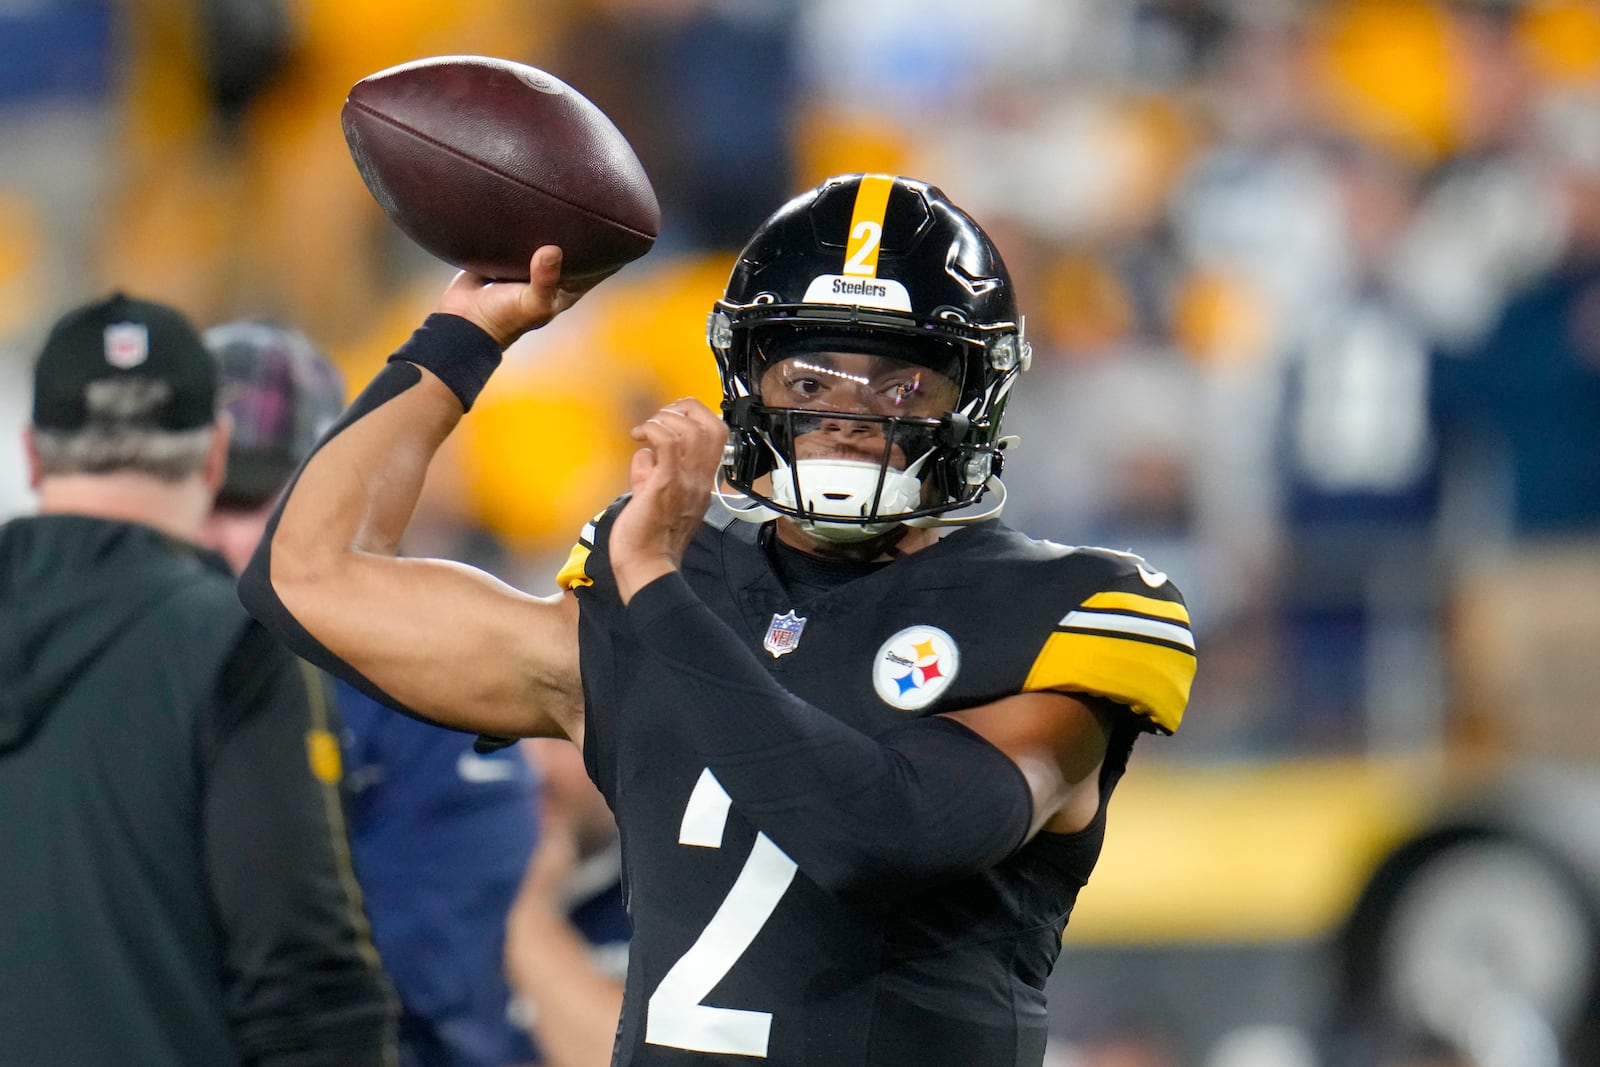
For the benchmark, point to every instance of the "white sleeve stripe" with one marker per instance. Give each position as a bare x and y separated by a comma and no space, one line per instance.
586,535
1129,624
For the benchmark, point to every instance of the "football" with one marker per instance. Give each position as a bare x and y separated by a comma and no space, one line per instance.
480,161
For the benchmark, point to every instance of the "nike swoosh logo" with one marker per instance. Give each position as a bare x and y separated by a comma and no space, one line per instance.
1154,579
476,769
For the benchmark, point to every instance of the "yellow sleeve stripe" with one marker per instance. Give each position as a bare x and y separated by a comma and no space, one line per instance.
1151,679
1144,605
574,573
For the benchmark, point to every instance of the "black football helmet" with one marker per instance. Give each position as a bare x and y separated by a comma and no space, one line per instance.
882,266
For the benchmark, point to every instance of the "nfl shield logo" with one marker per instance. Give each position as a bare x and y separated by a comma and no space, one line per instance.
783,636
127,344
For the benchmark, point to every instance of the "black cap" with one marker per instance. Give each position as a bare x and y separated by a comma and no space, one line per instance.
282,393
120,337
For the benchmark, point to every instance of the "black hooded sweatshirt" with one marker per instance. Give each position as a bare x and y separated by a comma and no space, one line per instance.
174,878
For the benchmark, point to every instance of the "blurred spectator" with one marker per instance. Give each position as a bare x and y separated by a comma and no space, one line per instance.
704,90
179,197
568,934
1358,487
634,344
168,772
1127,402
441,834
1528,394
235,186
282,395
58,68
1484,223
1519,415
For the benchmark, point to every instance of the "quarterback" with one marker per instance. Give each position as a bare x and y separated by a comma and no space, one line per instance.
858,735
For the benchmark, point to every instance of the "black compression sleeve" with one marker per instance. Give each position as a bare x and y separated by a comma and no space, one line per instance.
463,357
255,582
929,800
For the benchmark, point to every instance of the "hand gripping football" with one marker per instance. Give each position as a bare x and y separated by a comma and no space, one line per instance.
481,161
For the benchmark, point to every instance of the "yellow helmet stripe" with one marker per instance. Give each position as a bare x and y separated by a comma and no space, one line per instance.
866,226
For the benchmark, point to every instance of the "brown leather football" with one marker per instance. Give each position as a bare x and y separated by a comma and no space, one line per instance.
481,161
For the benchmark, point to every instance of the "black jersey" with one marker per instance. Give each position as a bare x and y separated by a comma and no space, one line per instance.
737,956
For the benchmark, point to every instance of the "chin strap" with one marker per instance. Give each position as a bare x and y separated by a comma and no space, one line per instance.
740,505
960,517
746,509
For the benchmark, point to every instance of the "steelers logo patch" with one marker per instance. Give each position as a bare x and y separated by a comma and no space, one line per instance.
914,666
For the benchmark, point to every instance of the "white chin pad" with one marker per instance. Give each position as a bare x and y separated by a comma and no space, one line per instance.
843,489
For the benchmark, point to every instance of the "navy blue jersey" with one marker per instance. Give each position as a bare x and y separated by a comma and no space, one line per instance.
441,837
737,955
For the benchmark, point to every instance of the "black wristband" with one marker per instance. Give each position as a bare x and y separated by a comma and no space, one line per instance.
455,351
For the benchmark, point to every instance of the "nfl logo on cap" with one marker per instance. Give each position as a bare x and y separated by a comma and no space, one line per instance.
127,344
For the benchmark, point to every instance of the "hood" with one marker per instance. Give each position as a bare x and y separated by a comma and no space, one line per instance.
69,586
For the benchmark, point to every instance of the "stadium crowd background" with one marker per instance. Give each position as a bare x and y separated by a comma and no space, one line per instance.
1266,247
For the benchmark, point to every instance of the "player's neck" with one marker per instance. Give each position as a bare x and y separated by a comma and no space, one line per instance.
900,541
176,508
